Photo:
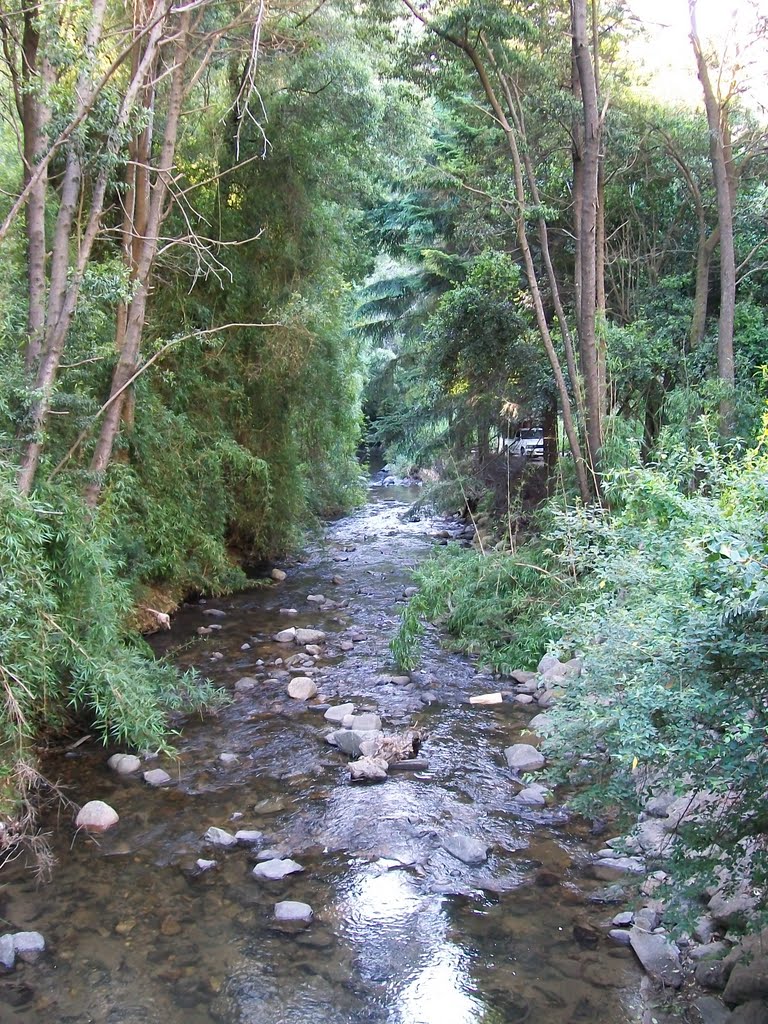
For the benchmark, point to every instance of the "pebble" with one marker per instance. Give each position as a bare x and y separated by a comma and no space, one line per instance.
272,870
278,575
347,645
96,816
157,777
291,910
337,580
245,647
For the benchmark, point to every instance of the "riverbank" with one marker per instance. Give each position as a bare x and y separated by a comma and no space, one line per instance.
403,930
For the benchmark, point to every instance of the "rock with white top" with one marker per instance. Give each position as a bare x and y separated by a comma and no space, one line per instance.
302,688
362,723
659,956
294,912
157,777
274,870
337,714
248,836
28,946
285,636
349,740
368,769
278,575
7,952
124,764
96,816
522,757
219,837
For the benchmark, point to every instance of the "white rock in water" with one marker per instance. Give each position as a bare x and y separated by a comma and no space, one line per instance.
285,636
368,769
302,688
486,698
248,836
522,757
338,713
215,613
309,636
273,870
291,910
278,575
205,865
7,952
219,837
157,777
28,945
316,598
314,649
228,758
124,764
96,816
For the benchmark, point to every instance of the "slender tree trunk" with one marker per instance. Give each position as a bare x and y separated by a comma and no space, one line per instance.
144,252
34,118
600,305
706,246
588,234
551,453
724,177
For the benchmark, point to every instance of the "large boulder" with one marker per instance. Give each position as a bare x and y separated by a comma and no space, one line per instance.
747,982
96,816
522,757
659,956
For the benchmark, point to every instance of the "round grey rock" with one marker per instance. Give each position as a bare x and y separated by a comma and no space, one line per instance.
274,870
464,848
292,910
96,816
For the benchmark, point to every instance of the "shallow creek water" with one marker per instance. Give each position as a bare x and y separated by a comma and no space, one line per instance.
403,932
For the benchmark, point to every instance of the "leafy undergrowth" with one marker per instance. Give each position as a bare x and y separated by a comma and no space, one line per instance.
666,598
65,650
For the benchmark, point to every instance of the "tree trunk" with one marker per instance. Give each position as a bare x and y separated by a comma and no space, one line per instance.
724,178
704,250
588,234
144,251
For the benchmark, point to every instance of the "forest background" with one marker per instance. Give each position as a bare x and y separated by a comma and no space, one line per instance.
238,237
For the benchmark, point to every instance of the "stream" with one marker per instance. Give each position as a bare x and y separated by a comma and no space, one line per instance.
403,932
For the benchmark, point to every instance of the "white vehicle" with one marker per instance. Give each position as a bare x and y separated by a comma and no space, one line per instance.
528,442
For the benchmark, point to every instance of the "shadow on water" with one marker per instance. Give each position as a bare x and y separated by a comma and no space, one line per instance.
403,932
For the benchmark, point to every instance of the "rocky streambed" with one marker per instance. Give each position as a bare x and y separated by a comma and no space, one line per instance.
251,879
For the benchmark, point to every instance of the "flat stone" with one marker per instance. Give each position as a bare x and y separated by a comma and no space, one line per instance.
271,853
523,677
466,849
157,777
620,936
314,649
302,688
623,920
124,764
285,636
523,698
219,837
289,611
609,895
368,722
278,575
309,636
747,982
215,613
522,757
28,946
227,758
610,868
659,957
368,769
292,910
708,951
647,918
245,647
96,816
203,865
338,713
273,870
7,952
316,598
487,698
245,684
248,836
